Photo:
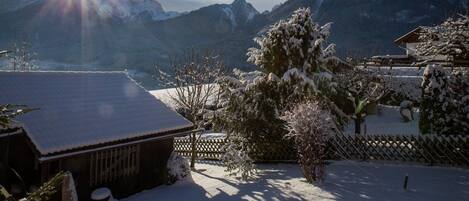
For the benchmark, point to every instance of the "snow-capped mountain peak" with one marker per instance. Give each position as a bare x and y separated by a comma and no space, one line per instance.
244,9
131,9
239,12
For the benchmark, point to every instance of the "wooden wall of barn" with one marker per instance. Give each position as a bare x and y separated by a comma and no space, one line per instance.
152,170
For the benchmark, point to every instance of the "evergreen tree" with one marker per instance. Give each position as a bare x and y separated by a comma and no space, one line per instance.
293,59
297,42
445,102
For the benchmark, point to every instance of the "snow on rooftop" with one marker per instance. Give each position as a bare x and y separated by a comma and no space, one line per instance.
166,95
78,109
345,181
387,121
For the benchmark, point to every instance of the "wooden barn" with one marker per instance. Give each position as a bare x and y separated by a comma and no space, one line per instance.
103,127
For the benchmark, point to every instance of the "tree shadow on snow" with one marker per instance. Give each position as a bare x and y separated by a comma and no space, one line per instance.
354,181
271,183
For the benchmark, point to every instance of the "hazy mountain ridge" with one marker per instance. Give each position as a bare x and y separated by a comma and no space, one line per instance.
361,28
134,9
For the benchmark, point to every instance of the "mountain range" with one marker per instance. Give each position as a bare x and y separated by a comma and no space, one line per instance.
137,34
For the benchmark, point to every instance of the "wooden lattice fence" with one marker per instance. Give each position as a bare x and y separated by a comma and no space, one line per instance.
206,148
211,149
425,149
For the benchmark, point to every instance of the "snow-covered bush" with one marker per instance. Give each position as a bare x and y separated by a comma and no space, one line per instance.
236,157
445,102
178,168
310,127
405,109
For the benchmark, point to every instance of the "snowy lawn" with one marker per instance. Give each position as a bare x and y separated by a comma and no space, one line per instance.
346,180
388,121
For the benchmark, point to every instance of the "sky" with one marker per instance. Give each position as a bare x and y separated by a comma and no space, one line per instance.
188,5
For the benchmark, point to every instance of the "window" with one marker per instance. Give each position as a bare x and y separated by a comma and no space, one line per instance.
110,165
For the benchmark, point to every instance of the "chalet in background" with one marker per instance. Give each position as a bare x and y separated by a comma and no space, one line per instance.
3,53
101,126
409,42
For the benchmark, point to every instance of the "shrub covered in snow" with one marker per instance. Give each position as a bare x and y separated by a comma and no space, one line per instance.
178,168
445,101
310,126
405,109
236,157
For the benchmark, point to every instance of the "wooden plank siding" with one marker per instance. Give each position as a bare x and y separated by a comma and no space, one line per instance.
125,170
113,164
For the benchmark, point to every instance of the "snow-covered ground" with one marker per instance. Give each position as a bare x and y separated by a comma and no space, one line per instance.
387,121
399,70
346,181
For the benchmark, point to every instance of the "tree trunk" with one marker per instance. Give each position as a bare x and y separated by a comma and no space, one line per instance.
194,150
358,125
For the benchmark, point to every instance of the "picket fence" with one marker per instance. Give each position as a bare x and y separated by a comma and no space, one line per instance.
424,149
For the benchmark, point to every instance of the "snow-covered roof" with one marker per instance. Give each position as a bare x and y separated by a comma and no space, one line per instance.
411,37
166,95
390,57
79,109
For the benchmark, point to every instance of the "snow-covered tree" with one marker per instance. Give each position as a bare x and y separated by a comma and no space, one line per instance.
251,105
361,88
297,42
445,101
293,59
451,38
9,112
193,77
22,58
311,126
445,94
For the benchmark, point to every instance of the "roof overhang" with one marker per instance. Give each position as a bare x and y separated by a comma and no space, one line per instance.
411,36
9,132
90,149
